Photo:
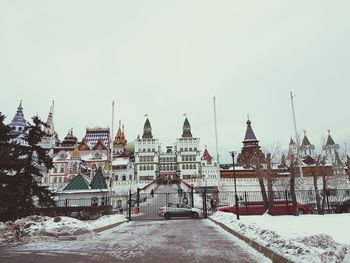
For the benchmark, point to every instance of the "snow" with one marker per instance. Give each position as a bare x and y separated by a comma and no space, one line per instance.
314,238
37,227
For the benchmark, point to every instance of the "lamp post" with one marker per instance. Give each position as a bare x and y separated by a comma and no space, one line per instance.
235,183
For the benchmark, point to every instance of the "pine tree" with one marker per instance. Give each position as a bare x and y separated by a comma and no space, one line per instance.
20,176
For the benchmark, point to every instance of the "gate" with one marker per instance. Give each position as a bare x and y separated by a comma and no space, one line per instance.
147,206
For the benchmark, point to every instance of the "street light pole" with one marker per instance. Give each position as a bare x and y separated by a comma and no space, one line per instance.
235,183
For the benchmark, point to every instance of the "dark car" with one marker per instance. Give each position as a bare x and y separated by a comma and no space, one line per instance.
280,207
342,207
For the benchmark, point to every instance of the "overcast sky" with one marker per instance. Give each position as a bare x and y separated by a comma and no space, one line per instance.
167,58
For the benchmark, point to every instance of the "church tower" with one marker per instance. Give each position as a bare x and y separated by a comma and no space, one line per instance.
306,147
250,147
331,149
147,130
186,130
19,126
119,142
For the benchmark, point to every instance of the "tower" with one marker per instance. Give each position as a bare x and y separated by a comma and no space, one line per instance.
186,130
119,142
250,147
19,126
147,130
306,147
331,149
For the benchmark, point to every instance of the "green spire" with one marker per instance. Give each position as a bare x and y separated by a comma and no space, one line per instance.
98,182
78,183
186,130
330,139
305,140
147,130
291,141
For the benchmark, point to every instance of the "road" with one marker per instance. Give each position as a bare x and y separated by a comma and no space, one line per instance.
140,241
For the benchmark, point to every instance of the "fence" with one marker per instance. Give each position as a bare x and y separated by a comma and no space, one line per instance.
329,198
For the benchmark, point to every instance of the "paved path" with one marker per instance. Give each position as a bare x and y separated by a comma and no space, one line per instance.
146,241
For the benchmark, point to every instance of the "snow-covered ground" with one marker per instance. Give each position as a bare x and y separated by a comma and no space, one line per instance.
36,227
306,238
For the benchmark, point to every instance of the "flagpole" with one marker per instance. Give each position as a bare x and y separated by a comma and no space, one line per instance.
111,147
296,135
217,145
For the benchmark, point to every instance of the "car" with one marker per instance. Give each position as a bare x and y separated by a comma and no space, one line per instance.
341,207
280,207
178,210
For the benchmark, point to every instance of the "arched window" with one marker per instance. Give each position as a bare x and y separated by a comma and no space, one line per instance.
144,150
140,167
152,168
62,169
148,167
130,177
194,166
148,150
185,149
153,150
181,149
55,169
195,149
190,149
116,177
183,166
187,167
124,178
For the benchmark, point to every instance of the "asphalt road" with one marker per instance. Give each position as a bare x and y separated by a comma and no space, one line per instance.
140,241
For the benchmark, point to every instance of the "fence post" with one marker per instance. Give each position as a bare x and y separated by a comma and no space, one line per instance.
129,203
327,199
66,202
192,201
246,202
204,197
286,196
138,197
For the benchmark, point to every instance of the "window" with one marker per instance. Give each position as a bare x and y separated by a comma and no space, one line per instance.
140,167
190,149
181,149
62,169
148,167
124,178
183,166
185,149
195,149
55,169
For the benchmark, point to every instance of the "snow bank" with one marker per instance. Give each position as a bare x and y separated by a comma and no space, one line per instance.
313,238
66,228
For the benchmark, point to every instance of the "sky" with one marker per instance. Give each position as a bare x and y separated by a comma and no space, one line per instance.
167,58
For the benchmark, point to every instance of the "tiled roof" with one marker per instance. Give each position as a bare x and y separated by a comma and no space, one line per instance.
98,182
78,183
249,134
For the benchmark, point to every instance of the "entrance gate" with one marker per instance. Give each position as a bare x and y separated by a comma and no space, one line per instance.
146,206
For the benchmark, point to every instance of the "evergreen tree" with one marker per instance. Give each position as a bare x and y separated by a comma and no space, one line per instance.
21,179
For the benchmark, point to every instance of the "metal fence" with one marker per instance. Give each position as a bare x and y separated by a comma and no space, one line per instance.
330,198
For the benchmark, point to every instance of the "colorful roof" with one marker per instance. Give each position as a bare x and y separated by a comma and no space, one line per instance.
120,137
78,183
93,135
98,182
206,155
186,130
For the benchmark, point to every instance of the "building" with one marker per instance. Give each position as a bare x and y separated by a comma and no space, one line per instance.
19,126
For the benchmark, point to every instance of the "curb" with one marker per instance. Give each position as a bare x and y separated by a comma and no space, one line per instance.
104,228
276,258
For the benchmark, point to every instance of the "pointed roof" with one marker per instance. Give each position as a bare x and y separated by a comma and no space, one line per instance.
186,130
99,145
18,119
330,140
291,141
98,182
76,152
206,155
49,122
147,130
305,141
120,137
78,183
249,134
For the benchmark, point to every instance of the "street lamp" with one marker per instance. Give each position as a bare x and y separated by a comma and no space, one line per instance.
235,183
